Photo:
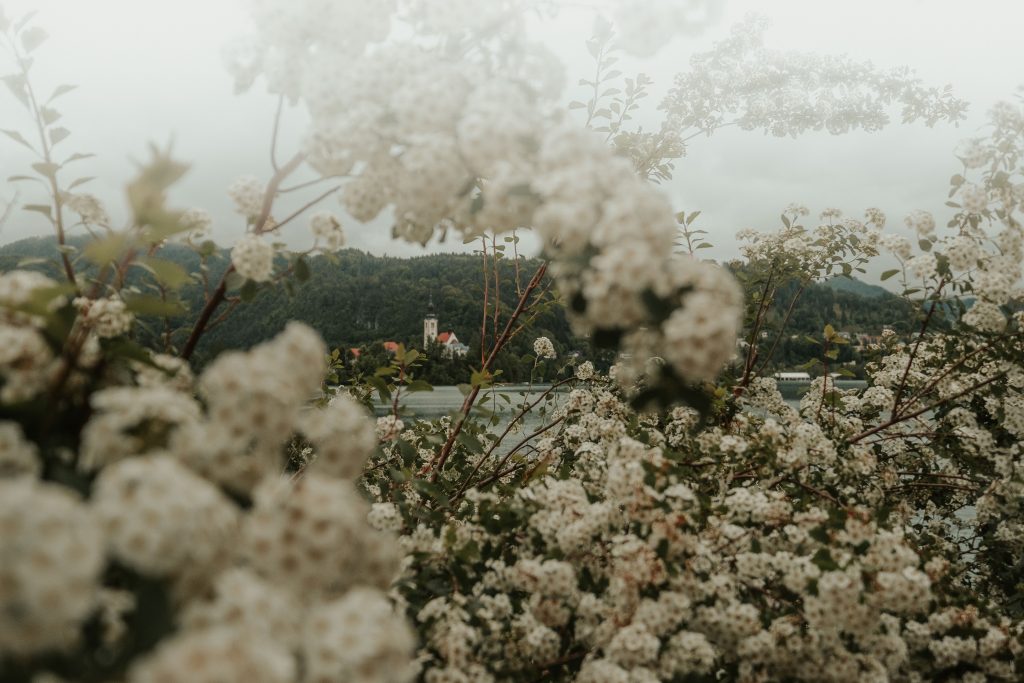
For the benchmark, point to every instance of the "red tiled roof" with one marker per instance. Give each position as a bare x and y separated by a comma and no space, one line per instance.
355,352
443,337
391,345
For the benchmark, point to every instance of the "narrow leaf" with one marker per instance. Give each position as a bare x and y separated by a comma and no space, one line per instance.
61,90
58,134
17,137
33,38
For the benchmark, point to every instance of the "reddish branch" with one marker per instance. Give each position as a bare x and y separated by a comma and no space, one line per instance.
467,405
917,345
931,406
220,293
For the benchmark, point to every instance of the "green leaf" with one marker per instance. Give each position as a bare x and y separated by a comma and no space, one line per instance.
823,560
430,489
16,84
18,137
144,304
61,89
889,273
167,273
419,385
480,378
76,157
80,181
107,249
49,115
248,290
125,348
21,23
33,38
47,169
207,248
44,209
58,134
302,272
381,386
234,281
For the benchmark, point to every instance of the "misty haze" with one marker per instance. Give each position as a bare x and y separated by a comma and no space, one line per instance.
610,341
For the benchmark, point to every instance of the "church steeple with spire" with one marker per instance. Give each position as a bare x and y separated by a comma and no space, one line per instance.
429,324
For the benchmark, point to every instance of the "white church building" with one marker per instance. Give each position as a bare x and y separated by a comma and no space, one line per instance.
451,347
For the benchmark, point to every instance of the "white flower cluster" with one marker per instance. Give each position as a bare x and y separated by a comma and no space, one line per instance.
89,208
51,559
476,154
107,317
247,193
786,93
288,588
649,571
645,26
253,258
327,228
543,348
198,222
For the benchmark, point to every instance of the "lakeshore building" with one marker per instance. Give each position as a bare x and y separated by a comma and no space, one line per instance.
792,377
450,345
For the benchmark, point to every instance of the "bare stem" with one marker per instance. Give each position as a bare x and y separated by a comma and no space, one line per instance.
467,405
219,294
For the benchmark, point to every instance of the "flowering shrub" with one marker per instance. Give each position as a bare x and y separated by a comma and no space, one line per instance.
252,522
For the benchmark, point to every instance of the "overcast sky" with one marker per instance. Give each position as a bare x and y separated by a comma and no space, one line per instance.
149,70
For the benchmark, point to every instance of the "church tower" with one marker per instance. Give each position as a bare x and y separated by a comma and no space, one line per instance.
429,324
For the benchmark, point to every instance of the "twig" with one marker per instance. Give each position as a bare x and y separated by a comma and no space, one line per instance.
931,406
467,405
219,294
273,135
308,205
917,345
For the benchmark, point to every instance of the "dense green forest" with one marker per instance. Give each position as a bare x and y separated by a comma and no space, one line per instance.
356,300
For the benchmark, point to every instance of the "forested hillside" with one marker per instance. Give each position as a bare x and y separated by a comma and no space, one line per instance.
360,300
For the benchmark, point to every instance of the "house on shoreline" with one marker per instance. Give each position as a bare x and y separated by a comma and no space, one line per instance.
450,345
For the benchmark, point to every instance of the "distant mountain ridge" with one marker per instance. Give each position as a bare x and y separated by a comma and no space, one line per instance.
364,299
841,283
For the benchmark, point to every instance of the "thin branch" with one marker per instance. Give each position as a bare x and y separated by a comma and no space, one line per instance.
308,205
913,353
782,329
931,406
527,407
219,294
58,202
467,405
273,135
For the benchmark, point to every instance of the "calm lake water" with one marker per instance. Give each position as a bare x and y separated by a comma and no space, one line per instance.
444,400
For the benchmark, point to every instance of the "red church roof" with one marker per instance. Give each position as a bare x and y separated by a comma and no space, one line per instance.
444,336
391,346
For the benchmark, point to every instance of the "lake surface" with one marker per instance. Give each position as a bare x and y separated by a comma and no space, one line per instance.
443,400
